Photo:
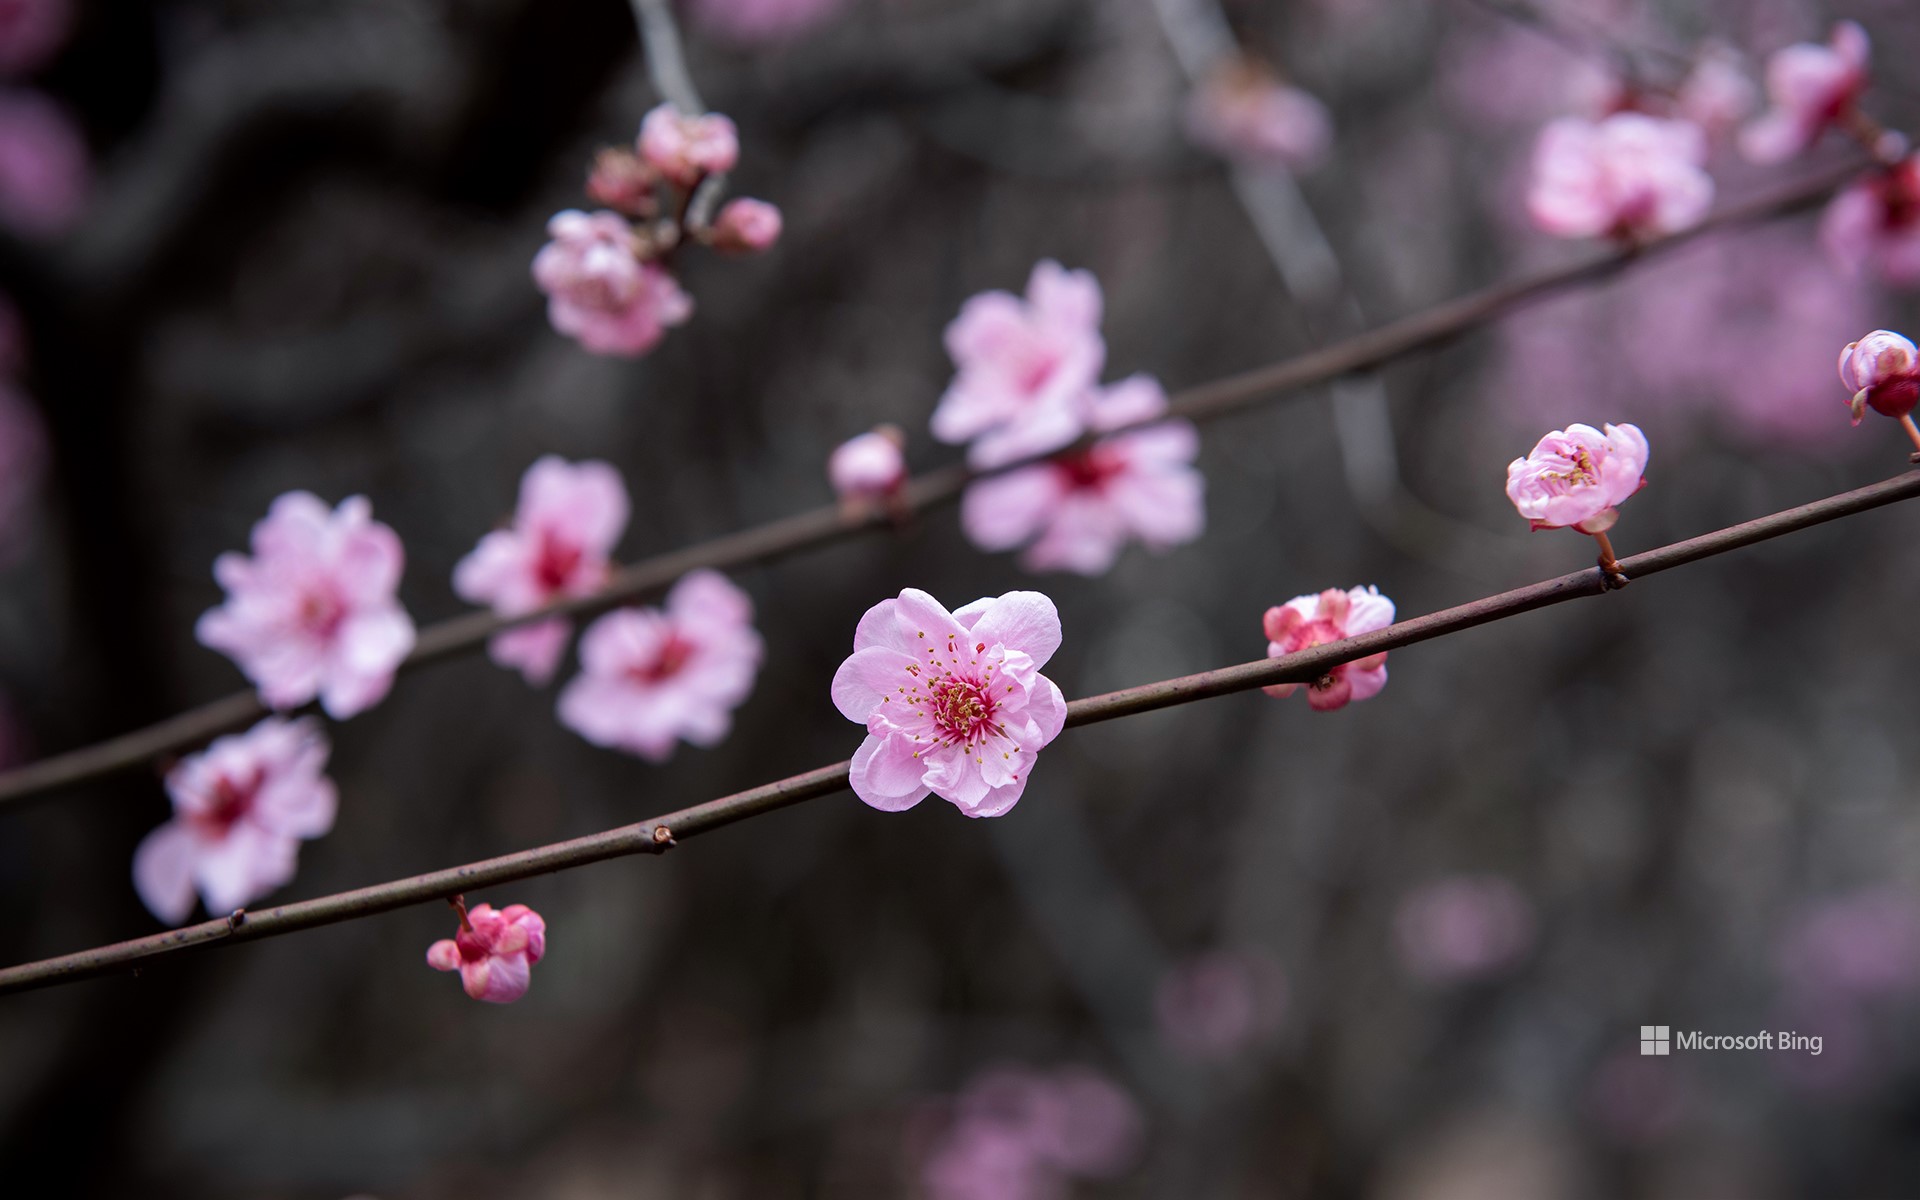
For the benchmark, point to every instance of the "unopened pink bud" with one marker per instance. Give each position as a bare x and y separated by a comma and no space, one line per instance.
1882,370
493,951
686,148
746,226
622,182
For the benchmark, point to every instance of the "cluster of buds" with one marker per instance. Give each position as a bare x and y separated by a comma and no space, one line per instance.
608,274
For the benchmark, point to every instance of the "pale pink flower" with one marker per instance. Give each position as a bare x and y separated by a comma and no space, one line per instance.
763,20
1874,225
569,518
988,1160
1464,927
954,703
30,32
1217,1005
687,149
1860,946
1882,370
1243,113
1809,88
1331,616
493,951
598,290
652,676
1574,477
1077,511
23,453
1626,176
240,810
869,466
44,170
746,226
1023,366
1717,95
313,612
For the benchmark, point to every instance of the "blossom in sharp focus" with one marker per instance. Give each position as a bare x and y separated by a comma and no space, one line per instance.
763,20
493,951
313,612
44,170
1629,175
599,292
1331,616
1882,371
563,533
687,149
1245,114
1022,366
240,810
1462,928
1809,87
1574,477
1873,227
870,466
650,677
1077,511
30,32
746,226
954,703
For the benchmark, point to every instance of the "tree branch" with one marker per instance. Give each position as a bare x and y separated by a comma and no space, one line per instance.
657,834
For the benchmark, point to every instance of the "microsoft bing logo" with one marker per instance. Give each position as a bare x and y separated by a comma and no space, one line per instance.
1654,1039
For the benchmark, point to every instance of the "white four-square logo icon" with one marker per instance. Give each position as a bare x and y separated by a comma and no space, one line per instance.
1654,1039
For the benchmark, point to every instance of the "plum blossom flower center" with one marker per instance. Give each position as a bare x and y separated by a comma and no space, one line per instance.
1581,472
1091,469
321,611
672,656
963,709
231,801
559,558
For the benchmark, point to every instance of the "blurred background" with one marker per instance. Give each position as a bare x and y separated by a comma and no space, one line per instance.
1403,950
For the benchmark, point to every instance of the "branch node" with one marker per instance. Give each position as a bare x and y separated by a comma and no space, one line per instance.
236,919
663,837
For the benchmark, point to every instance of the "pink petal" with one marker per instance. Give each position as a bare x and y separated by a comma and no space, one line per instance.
163,872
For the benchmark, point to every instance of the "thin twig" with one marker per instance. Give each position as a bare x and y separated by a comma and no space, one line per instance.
821,526
656,834
666,58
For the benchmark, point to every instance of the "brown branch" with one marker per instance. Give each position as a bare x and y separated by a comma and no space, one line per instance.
658,833
820,526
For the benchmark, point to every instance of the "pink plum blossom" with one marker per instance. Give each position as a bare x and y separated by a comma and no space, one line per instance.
1331,616
1574,477
599,292
1243,113
1874,225
30,32
746,226
1882,371
1022,1134
1716,95
1023,366
622,182
954,703
240,810
569,518
1464,927
1077,511
1217,1005
23,453
650,677
870,466
313,612
1809,88
687,149
1629,175
44,171
763,20
1862,946
493,951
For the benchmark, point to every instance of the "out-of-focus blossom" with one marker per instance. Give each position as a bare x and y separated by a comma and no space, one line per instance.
1574,477
598,290
623,182
1215,1006
1882,371
746,226
650,677
23,453
493,951
313,612
44,171
1809,87
1630,175
1020,1134
870,466
30,32
1023,366
687,149
1873,227
569,518
1076,512
1465,927
240,810
1331,616
985,1160
1243,113
1864,946
1637,1098
1717,95
954,703
763,20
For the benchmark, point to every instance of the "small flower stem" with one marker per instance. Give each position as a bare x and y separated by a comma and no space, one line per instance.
1913,431
1609,565
1871,135
459,905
